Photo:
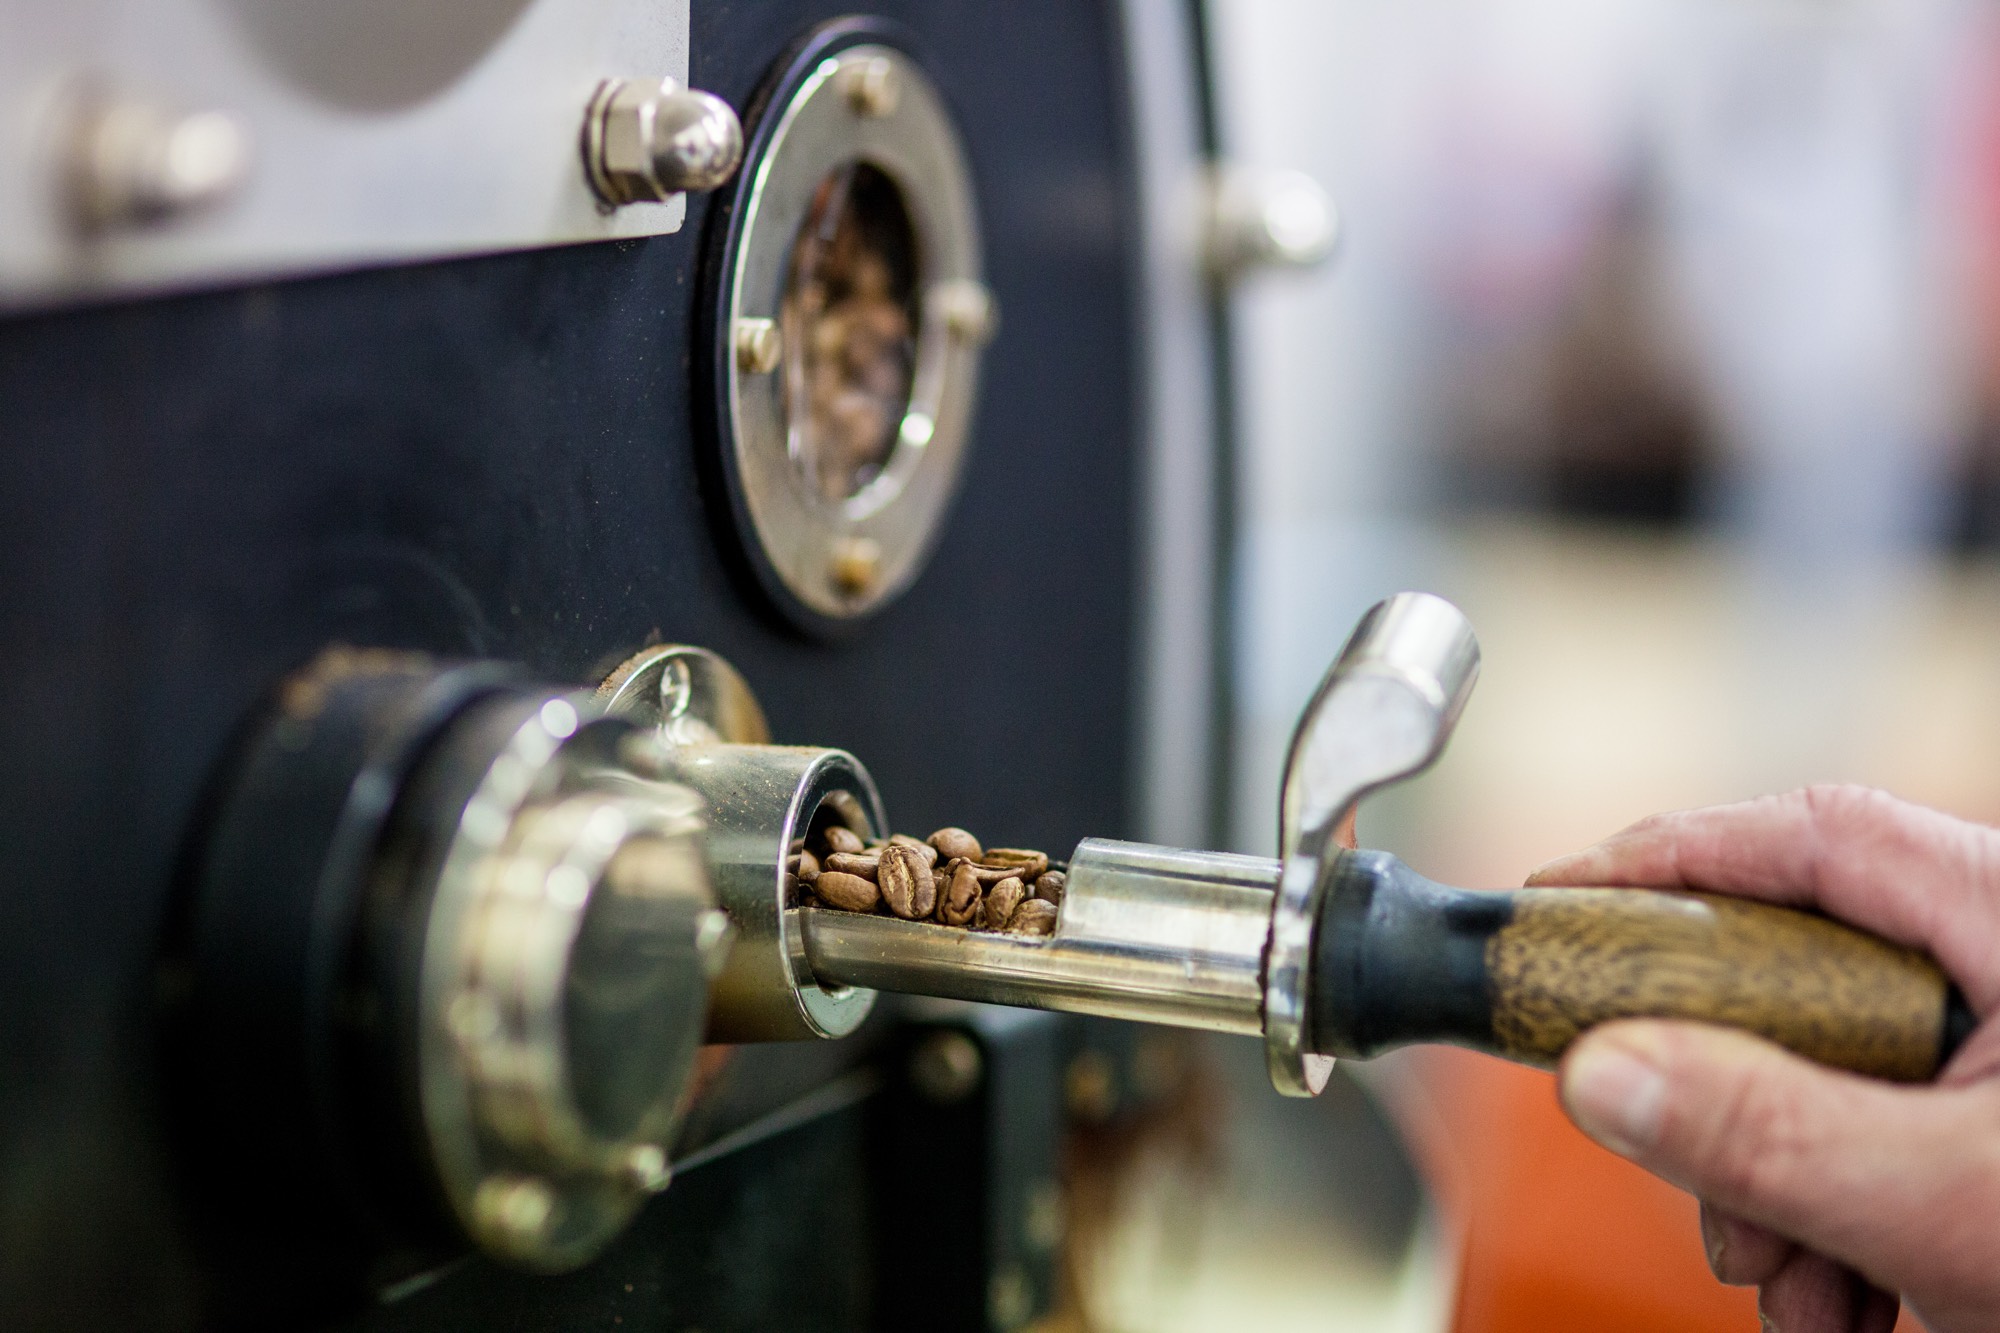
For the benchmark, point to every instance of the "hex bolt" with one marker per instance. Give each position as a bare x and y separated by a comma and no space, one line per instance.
760,345
871,86
645,142
946,1067
856,566
646,1169
516,1210
134,162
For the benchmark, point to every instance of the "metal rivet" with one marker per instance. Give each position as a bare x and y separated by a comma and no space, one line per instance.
646,1169
760,346
871,86
516,1209
135,161
856,566
645,142
946,1067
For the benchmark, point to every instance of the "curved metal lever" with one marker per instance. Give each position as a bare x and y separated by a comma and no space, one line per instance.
1382,713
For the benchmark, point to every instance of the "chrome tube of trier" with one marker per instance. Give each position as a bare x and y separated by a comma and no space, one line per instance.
1151,934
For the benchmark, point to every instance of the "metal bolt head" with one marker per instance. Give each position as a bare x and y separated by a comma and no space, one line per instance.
134,162
946,1067
646,1169
760,345
856,566
1269,219
646,142
516,1211
968,310
871,86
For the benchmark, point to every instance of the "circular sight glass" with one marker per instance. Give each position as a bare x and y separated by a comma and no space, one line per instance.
850,320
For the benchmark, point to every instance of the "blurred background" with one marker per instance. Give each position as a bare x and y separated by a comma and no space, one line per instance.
1661,339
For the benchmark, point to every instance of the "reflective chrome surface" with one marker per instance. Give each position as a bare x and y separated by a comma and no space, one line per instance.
566,955
645,141
384,132
709,734
1265,218
867,112
1382,713
1151,934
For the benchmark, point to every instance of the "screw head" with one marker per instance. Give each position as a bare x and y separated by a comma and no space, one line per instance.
871,86
968,310
760,345
856,566
646,1169
516,1210
135,162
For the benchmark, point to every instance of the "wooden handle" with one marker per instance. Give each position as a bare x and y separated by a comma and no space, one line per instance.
1399,959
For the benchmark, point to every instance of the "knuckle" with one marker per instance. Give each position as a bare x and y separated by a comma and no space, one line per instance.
1837,805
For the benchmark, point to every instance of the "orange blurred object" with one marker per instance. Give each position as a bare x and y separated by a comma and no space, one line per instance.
1558,1235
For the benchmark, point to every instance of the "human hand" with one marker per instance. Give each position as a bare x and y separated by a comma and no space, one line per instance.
1828,1191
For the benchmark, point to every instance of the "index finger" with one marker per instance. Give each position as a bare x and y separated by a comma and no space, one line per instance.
1910,874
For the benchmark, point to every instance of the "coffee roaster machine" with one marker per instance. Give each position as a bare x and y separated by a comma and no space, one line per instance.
442,449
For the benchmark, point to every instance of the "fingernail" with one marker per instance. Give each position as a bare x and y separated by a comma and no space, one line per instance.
1562,865
1766,1324
1717,1245
1616,1096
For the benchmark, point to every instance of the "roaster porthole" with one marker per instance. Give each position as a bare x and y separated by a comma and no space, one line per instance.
850,314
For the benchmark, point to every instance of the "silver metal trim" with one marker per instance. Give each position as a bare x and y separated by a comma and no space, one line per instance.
811,541
1175,752
1382,713
761,800
1147,934
530,1179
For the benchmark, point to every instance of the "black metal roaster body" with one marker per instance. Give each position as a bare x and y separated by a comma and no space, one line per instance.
509,466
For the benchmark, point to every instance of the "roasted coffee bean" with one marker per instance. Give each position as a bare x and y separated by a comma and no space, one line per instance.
988,875
1035,916
1049,886
806,866
922,849
1029,865
863,864
908,885
1002,899
850,893
958,902
840,838
956,842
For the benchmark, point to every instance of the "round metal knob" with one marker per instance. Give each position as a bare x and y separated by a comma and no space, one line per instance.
1269,219
646,142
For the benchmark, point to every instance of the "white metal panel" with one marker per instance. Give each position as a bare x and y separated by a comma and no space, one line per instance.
381,130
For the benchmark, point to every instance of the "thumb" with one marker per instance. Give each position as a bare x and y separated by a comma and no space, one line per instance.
1857,1169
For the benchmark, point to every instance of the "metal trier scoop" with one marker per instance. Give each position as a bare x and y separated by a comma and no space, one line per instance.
1332,951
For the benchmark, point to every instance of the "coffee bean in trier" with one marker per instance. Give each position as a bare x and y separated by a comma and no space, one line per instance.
948,878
